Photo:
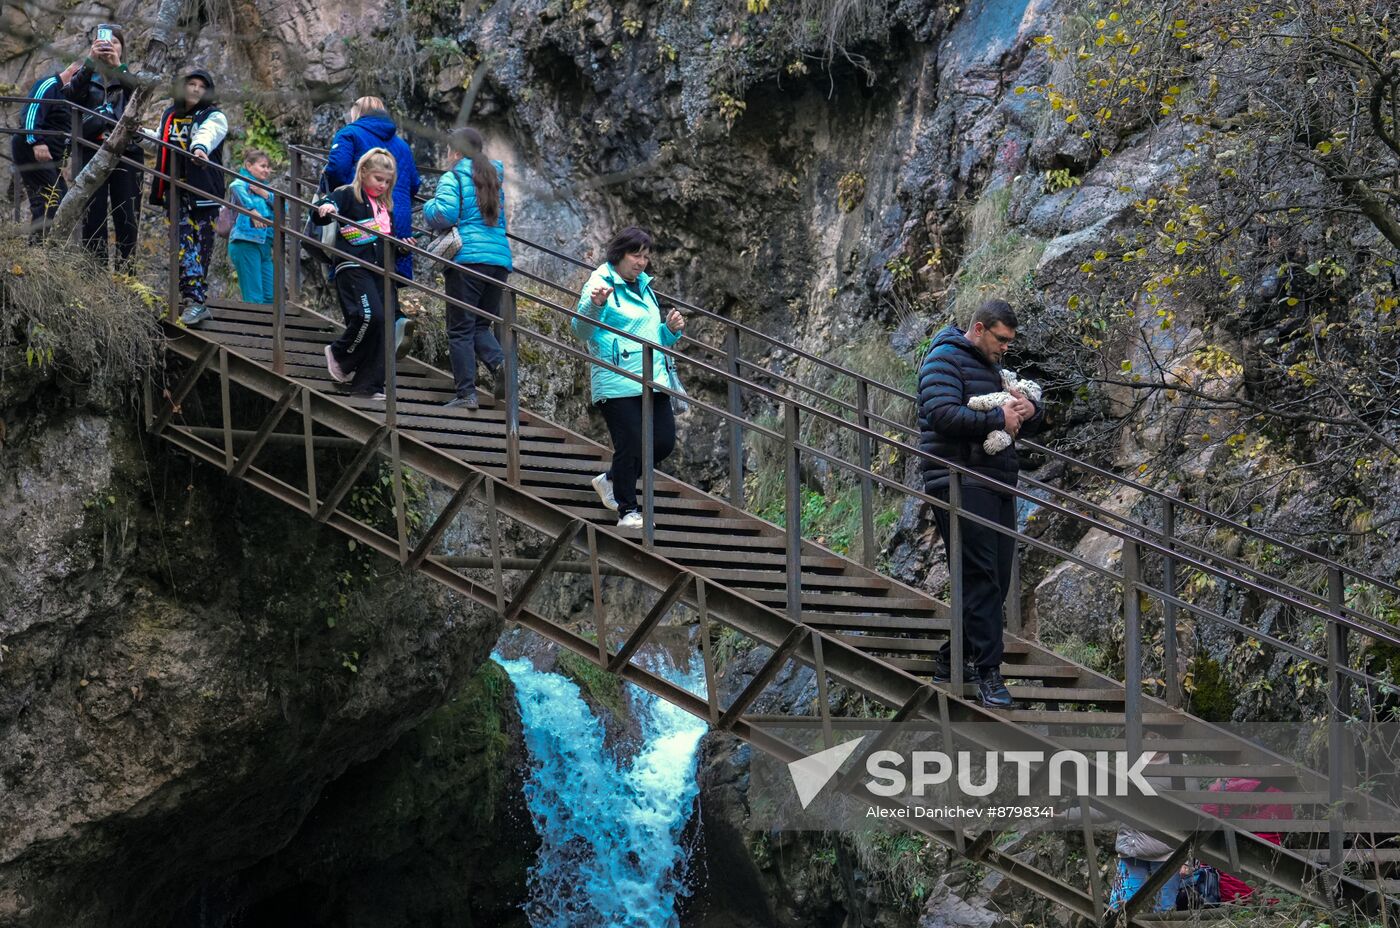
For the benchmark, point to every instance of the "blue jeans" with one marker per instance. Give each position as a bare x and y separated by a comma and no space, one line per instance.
1131,874
253,262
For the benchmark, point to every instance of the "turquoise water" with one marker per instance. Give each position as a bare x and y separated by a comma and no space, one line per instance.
611,850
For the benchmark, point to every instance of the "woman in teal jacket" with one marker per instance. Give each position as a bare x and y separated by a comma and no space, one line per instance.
619,294
250,240
471,197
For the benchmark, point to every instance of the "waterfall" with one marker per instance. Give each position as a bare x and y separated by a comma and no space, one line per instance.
610,832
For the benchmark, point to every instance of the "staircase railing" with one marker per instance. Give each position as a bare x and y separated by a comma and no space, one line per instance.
863,409
1138,541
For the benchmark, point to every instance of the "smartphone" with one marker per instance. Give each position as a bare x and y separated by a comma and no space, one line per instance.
104,33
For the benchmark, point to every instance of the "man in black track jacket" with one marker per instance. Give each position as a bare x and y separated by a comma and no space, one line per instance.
959,366
38,154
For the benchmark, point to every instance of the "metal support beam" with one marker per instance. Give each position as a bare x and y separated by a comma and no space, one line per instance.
1152,886
663,605
352,473
912,706
444,519
182,389
765,675
557,549
270,422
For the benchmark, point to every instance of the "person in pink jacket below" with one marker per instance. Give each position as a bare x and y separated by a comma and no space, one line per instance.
1233,889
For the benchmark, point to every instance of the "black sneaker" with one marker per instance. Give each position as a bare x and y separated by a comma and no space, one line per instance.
991,689
497,376
943,674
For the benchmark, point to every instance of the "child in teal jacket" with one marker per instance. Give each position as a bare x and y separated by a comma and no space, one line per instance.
250,241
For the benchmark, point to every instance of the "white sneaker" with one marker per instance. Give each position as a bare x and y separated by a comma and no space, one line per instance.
631,519
603,485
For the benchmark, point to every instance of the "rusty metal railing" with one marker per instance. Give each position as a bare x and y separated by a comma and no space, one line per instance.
783,631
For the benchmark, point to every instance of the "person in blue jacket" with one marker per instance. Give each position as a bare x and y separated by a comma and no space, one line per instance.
619,294
471,197
372,127
250,240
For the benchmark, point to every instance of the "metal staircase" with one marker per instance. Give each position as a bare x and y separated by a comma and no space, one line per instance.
254,378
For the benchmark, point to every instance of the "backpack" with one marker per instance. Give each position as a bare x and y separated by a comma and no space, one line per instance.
1200,889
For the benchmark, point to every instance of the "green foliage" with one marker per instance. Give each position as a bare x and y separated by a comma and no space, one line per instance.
997,261
1211,696
604,688
730,107
850,190
907,863
729,644
1090,654
258,132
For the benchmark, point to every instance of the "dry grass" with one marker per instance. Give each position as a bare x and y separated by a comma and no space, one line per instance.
64,314
997,261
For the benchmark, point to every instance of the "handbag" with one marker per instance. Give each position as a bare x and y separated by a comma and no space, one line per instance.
446,245
679,406
321,236
223,224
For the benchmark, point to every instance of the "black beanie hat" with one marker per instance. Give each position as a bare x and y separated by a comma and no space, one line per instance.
202,75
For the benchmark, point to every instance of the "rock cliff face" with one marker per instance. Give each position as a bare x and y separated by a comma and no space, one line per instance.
843,176
176,700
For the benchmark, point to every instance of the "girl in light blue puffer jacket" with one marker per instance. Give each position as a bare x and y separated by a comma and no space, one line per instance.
471,196
250,240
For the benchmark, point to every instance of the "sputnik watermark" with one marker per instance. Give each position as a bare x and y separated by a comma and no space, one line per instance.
1110,773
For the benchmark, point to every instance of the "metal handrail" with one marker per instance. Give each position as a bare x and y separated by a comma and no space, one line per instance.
905,396
1178,546
1173,551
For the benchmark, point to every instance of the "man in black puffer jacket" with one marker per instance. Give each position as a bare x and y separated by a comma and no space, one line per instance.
960,366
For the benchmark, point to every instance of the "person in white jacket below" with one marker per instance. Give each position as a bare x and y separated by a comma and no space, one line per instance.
194,124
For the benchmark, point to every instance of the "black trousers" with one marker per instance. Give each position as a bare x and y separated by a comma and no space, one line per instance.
360,347
469,336
624,418
120,197
43,182
987,557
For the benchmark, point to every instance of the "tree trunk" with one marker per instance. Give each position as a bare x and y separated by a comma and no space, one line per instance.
105,160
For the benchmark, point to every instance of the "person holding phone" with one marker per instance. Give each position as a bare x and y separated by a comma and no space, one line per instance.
102,85
619,294
38,152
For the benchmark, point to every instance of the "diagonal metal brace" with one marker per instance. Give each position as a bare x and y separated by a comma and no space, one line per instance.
765,675
983,841
444,519
1152,886
648,624
274,416
183,388
347,479
915,703
546,566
